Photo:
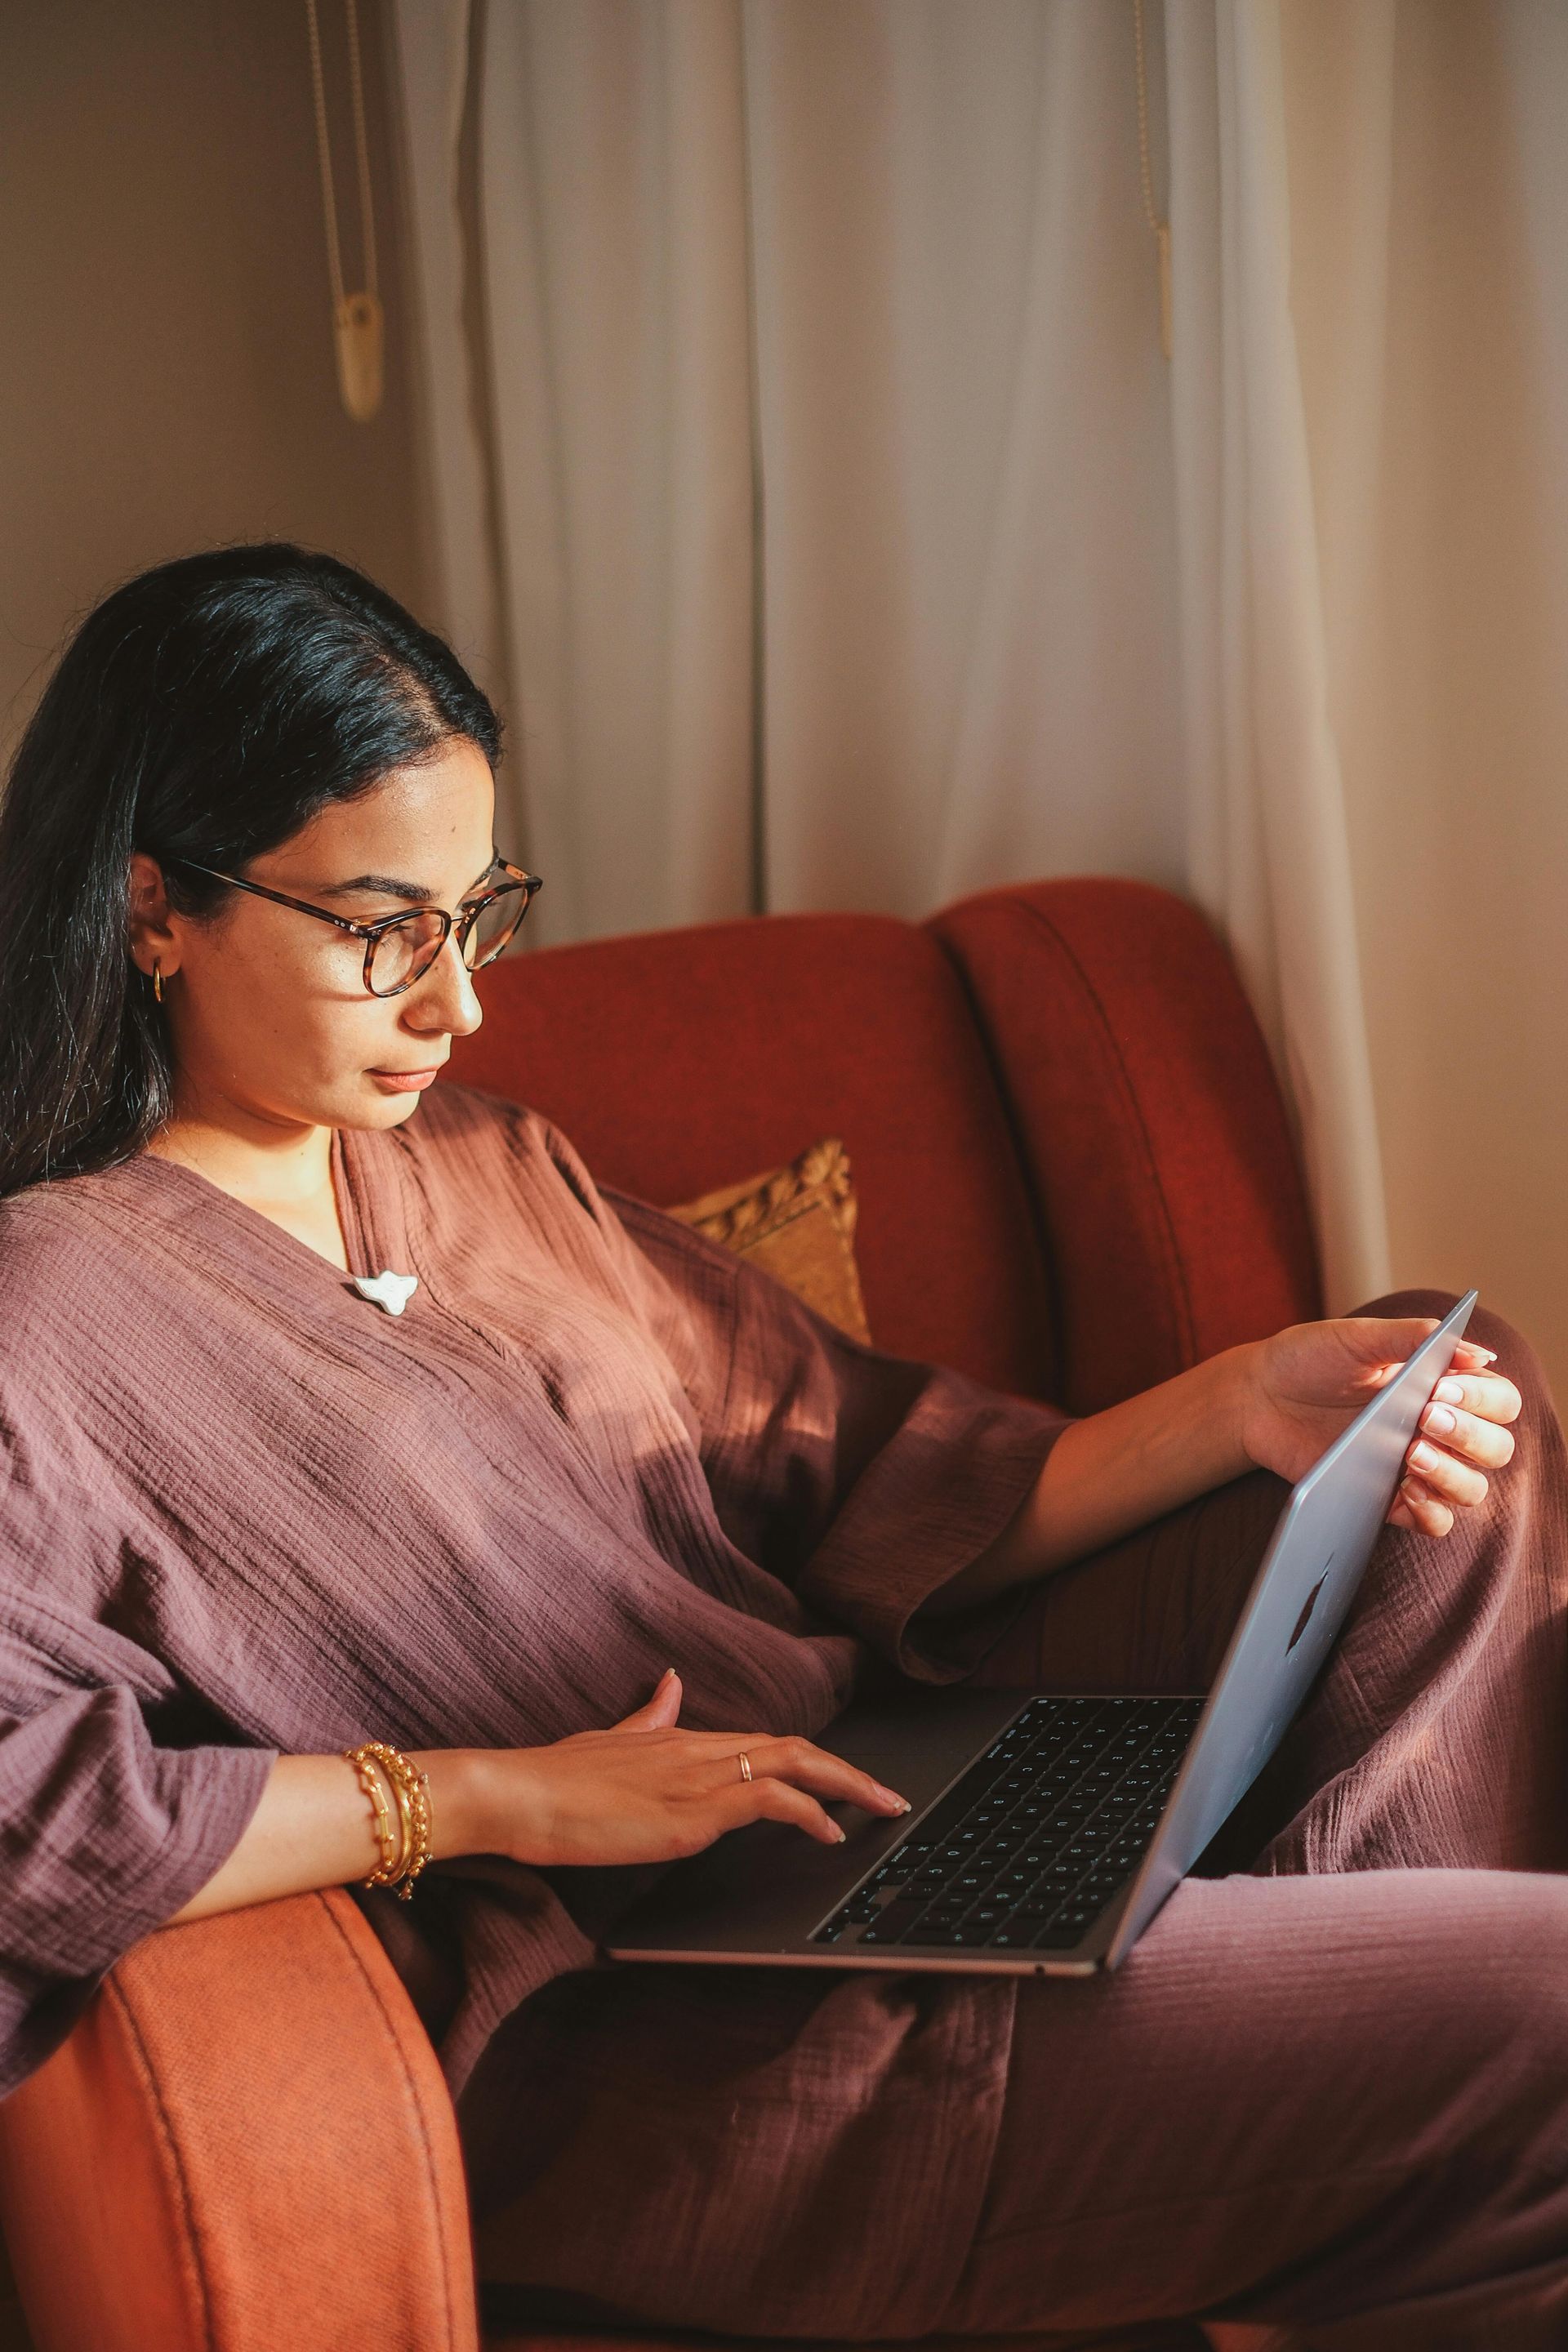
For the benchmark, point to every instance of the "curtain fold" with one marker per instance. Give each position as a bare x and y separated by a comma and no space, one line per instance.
1267,844
810,473
616,272
432,61
965,445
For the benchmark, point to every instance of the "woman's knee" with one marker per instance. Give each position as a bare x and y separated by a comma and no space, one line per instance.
1463,1972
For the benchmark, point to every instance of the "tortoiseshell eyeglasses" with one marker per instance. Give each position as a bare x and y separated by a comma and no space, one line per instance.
401,949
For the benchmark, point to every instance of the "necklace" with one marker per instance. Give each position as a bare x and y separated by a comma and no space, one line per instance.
358,323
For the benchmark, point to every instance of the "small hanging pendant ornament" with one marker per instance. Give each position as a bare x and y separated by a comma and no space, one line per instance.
358,323
359,326
390,1291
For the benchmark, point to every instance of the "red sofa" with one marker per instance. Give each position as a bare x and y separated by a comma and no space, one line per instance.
1075,1177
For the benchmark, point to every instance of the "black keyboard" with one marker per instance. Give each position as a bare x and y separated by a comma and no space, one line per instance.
1028,1847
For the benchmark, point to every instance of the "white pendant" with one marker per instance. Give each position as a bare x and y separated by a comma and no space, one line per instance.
391,1291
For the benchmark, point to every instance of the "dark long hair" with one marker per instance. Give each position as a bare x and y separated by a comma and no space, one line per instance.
207,709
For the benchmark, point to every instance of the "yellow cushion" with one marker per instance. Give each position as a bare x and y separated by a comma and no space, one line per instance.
797,1223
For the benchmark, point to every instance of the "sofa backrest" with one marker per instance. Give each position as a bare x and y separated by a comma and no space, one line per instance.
678,1061
1075,1169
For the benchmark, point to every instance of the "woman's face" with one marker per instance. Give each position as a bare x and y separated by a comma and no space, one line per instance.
272,1027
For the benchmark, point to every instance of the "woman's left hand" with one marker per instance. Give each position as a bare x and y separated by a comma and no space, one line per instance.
1307,1383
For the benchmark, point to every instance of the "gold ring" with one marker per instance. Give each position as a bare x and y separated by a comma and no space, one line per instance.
745,1761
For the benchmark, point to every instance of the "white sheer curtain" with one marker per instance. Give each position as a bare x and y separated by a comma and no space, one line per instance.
1266,843
845,540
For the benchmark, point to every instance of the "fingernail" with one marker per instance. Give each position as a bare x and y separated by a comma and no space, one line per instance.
893,1797
1449,1393
838,1831
1424,1457
1437,1418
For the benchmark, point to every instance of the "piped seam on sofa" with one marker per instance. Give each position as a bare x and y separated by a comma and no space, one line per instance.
416,2103
174,2155
1033,1207
1186,1334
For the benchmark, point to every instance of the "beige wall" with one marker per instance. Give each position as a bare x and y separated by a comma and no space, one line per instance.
1437,364
168,378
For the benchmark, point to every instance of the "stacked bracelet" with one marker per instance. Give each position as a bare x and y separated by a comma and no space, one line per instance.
386,1843
401,1863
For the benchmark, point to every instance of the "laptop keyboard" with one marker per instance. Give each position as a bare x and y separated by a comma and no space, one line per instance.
1027,1850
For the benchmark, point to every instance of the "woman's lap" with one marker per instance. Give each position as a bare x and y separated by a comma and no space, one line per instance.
1300,2100
1335,2082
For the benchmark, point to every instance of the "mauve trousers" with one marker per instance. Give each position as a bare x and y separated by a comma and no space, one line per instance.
1324,2103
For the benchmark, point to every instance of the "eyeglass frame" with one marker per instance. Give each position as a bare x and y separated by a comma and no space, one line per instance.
373,934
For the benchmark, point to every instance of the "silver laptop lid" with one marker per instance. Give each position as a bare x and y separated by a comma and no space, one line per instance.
1305,1584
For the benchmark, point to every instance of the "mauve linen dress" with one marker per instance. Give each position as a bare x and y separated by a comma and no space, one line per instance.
246,1511
1324,2103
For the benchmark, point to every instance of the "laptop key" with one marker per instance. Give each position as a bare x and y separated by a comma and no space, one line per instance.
889,1927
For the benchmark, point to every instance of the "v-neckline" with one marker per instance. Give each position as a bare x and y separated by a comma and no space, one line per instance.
372,1208
367,1196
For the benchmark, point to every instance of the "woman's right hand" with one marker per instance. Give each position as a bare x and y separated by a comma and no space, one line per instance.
640,1792
644,1791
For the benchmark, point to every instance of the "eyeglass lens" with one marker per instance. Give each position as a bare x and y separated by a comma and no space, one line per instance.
405,950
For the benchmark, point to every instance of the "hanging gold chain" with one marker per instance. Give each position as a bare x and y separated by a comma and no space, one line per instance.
1158,229
356,318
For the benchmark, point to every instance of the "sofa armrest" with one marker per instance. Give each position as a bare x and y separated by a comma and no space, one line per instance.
1149,1121
246,2143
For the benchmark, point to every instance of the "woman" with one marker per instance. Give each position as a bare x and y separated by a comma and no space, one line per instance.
338,1410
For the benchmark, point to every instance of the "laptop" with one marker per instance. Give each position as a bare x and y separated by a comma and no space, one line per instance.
1046,1830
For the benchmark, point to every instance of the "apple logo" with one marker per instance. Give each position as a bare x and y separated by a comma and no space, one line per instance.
1308,1606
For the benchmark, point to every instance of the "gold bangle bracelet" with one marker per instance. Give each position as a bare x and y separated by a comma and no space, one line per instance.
408,1828
392,1849
412,1790
417,1790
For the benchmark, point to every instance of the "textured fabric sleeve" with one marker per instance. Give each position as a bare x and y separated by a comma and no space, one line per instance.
863,1480
104,1835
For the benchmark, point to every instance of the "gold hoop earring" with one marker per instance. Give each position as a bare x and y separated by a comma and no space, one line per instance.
158,982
